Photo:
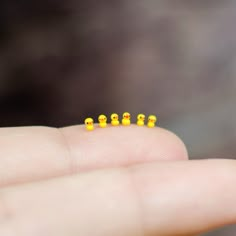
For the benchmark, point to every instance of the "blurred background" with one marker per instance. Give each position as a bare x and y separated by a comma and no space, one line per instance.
64,60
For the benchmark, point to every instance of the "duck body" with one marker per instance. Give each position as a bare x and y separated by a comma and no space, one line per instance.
103,125
115,122
90,127
151,125
140,123
125,122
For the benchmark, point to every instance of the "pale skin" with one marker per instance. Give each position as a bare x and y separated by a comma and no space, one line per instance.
118,181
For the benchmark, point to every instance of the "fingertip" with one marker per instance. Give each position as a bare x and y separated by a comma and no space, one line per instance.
178,150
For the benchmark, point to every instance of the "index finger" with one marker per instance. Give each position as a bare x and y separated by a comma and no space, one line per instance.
35,153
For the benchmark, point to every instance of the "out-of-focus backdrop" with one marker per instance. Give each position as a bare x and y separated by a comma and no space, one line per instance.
63,60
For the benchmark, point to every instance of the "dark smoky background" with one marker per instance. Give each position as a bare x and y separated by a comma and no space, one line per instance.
64,60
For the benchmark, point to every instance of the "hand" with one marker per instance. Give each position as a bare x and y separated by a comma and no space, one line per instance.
109,182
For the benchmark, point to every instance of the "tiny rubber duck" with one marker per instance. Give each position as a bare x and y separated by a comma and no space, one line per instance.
151,121
89,124
126,119
102,119
140,119
115,119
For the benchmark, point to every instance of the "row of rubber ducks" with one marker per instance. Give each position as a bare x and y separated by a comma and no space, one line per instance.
126,121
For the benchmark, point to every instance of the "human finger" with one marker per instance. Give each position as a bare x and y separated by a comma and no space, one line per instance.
162,198
34,153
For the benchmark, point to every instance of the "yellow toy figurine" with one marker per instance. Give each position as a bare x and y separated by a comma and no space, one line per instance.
89,124
151,121
102,119
126,119
115,119
140,120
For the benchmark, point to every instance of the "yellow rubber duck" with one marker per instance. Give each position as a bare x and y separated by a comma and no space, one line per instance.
89,124
151,121
102,119
140,119
115,119
126,119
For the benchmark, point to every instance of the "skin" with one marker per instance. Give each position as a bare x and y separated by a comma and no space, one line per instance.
63,181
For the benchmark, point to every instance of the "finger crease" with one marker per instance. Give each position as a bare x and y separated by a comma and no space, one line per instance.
138,200
5,213
67,148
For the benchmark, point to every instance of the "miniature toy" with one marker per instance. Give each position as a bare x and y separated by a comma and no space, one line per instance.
115,119
151,121
126,119
140,119
102,119
89,124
